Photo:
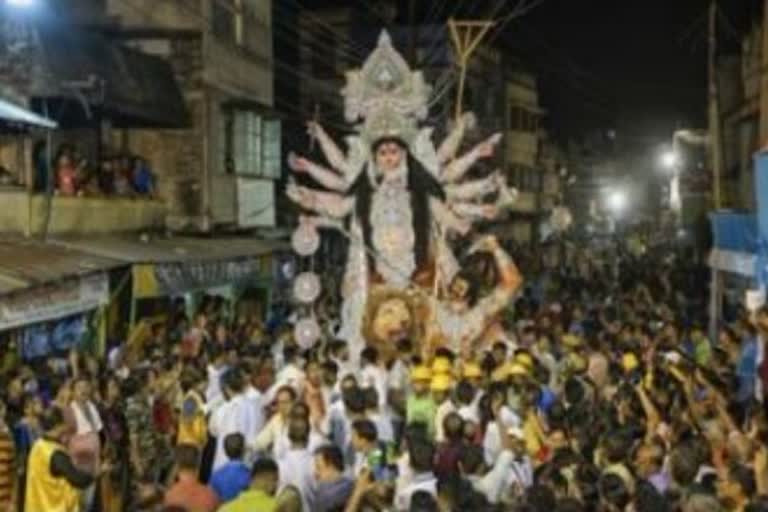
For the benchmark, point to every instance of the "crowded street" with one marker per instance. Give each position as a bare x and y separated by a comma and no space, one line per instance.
383,256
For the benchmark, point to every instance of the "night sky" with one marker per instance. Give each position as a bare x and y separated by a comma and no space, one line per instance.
635,66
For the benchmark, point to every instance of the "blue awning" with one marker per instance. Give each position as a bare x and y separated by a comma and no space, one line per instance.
14,114
735,232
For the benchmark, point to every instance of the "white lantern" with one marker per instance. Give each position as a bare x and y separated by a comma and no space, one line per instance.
306,332
305,240
306,288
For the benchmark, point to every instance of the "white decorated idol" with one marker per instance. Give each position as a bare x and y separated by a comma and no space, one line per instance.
400,200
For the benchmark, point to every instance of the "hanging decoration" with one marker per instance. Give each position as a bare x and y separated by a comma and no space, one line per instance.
306,287
306,332
305,240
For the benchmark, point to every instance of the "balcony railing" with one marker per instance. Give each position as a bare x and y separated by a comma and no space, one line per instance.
23,213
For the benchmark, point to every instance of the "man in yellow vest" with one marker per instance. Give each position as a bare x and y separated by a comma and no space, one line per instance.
53,482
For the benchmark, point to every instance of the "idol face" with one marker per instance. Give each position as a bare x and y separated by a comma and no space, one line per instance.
392,321
389,156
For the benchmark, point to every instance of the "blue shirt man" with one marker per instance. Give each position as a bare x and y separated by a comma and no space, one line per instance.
233,477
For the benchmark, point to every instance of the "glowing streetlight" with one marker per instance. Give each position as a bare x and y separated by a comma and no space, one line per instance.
617,201
20,3
669,159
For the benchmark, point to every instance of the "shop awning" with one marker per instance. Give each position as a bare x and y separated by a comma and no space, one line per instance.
41,282
25,264
734,262
11,114
134,89
168,266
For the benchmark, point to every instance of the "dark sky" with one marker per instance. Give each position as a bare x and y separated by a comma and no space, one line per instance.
636,66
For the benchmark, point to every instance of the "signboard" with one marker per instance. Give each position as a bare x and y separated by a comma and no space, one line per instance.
166,279
52,301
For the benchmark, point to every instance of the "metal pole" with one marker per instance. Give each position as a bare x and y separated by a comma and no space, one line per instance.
714,108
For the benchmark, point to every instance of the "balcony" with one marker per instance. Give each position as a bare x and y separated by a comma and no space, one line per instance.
22,213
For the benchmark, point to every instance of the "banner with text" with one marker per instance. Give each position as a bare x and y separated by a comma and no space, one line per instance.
55,300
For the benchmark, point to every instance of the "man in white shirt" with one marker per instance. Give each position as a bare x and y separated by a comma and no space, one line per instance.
236,415
512,470
216,369
88,425
268,437
493,440
291,373
374,375
421,456
297,464
381,419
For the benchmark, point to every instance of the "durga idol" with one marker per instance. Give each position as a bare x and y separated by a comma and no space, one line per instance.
398,198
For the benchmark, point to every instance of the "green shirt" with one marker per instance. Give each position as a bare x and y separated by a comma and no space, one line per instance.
703,352
250,501
422,410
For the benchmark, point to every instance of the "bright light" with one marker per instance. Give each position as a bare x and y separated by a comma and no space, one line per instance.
20,3
669,159
617,201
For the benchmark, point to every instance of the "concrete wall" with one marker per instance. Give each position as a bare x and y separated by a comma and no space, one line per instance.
172,14
24,214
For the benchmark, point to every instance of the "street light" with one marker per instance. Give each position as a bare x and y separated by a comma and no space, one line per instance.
669,160
617,201
20,3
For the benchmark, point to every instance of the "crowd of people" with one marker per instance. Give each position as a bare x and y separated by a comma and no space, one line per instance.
74,175
601,394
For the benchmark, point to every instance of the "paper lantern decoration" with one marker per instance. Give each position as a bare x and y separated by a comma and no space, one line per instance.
561,219
306,288
305,240
306,332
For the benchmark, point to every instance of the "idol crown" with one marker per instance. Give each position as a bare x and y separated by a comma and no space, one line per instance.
386,95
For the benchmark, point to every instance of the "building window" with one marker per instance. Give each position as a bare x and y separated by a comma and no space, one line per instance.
251,144
523,120
227,20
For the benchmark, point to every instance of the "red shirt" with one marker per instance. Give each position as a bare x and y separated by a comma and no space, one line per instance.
191,494
67,176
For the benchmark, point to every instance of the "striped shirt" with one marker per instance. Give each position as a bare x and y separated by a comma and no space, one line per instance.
7,472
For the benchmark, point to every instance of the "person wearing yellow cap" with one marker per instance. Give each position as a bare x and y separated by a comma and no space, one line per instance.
524,359
441,394
472,372
629,362
420,406
441,366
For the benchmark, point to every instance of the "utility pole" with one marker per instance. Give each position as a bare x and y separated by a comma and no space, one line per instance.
715,131
466,37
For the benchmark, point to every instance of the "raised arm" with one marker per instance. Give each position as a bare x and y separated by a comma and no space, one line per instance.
324,203
456,169
476,211
485,311
473,189
331,151
509,283
448,219
321,222
451,143
317,172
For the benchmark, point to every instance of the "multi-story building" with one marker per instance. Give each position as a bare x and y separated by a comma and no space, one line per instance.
186,86
214,146
221,170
